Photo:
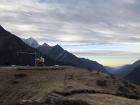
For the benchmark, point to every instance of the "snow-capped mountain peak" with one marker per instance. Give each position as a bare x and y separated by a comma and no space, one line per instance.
31,42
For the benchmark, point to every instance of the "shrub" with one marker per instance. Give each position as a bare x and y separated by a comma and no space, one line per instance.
126,92
15,82
101,83
20,75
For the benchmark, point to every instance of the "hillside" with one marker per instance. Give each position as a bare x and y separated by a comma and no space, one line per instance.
134,76
58,54
128,72
13,51
10,45
31,42
40,85
120,71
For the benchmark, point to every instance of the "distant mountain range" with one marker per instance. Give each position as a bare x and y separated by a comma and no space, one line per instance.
120,71
130,72
11,47
13,51
134,75
31,42
57,53
63,57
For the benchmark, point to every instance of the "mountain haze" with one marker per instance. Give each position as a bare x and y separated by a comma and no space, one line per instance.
130,72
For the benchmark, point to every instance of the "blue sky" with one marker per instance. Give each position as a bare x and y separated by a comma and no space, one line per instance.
103,30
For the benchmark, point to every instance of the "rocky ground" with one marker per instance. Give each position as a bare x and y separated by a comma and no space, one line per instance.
64,86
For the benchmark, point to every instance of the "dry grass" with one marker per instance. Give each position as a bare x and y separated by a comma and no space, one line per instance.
104,99
29,84
35,83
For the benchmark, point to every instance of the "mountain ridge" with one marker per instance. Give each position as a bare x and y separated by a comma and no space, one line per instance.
54,55
57,53
31,42
11,48
134,75
129,72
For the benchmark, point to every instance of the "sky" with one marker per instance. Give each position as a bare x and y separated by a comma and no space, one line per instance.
106,31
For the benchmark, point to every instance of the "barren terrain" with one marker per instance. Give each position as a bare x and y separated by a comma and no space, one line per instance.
28,83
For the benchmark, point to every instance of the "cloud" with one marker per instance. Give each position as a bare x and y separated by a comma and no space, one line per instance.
87,21
73,22
105,53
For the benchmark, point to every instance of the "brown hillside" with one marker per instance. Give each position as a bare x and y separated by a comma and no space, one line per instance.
36,84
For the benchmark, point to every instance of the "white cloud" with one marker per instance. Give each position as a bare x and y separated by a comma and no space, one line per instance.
88,23
85,20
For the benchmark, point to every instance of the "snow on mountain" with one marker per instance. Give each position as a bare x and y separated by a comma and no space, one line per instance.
31,42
